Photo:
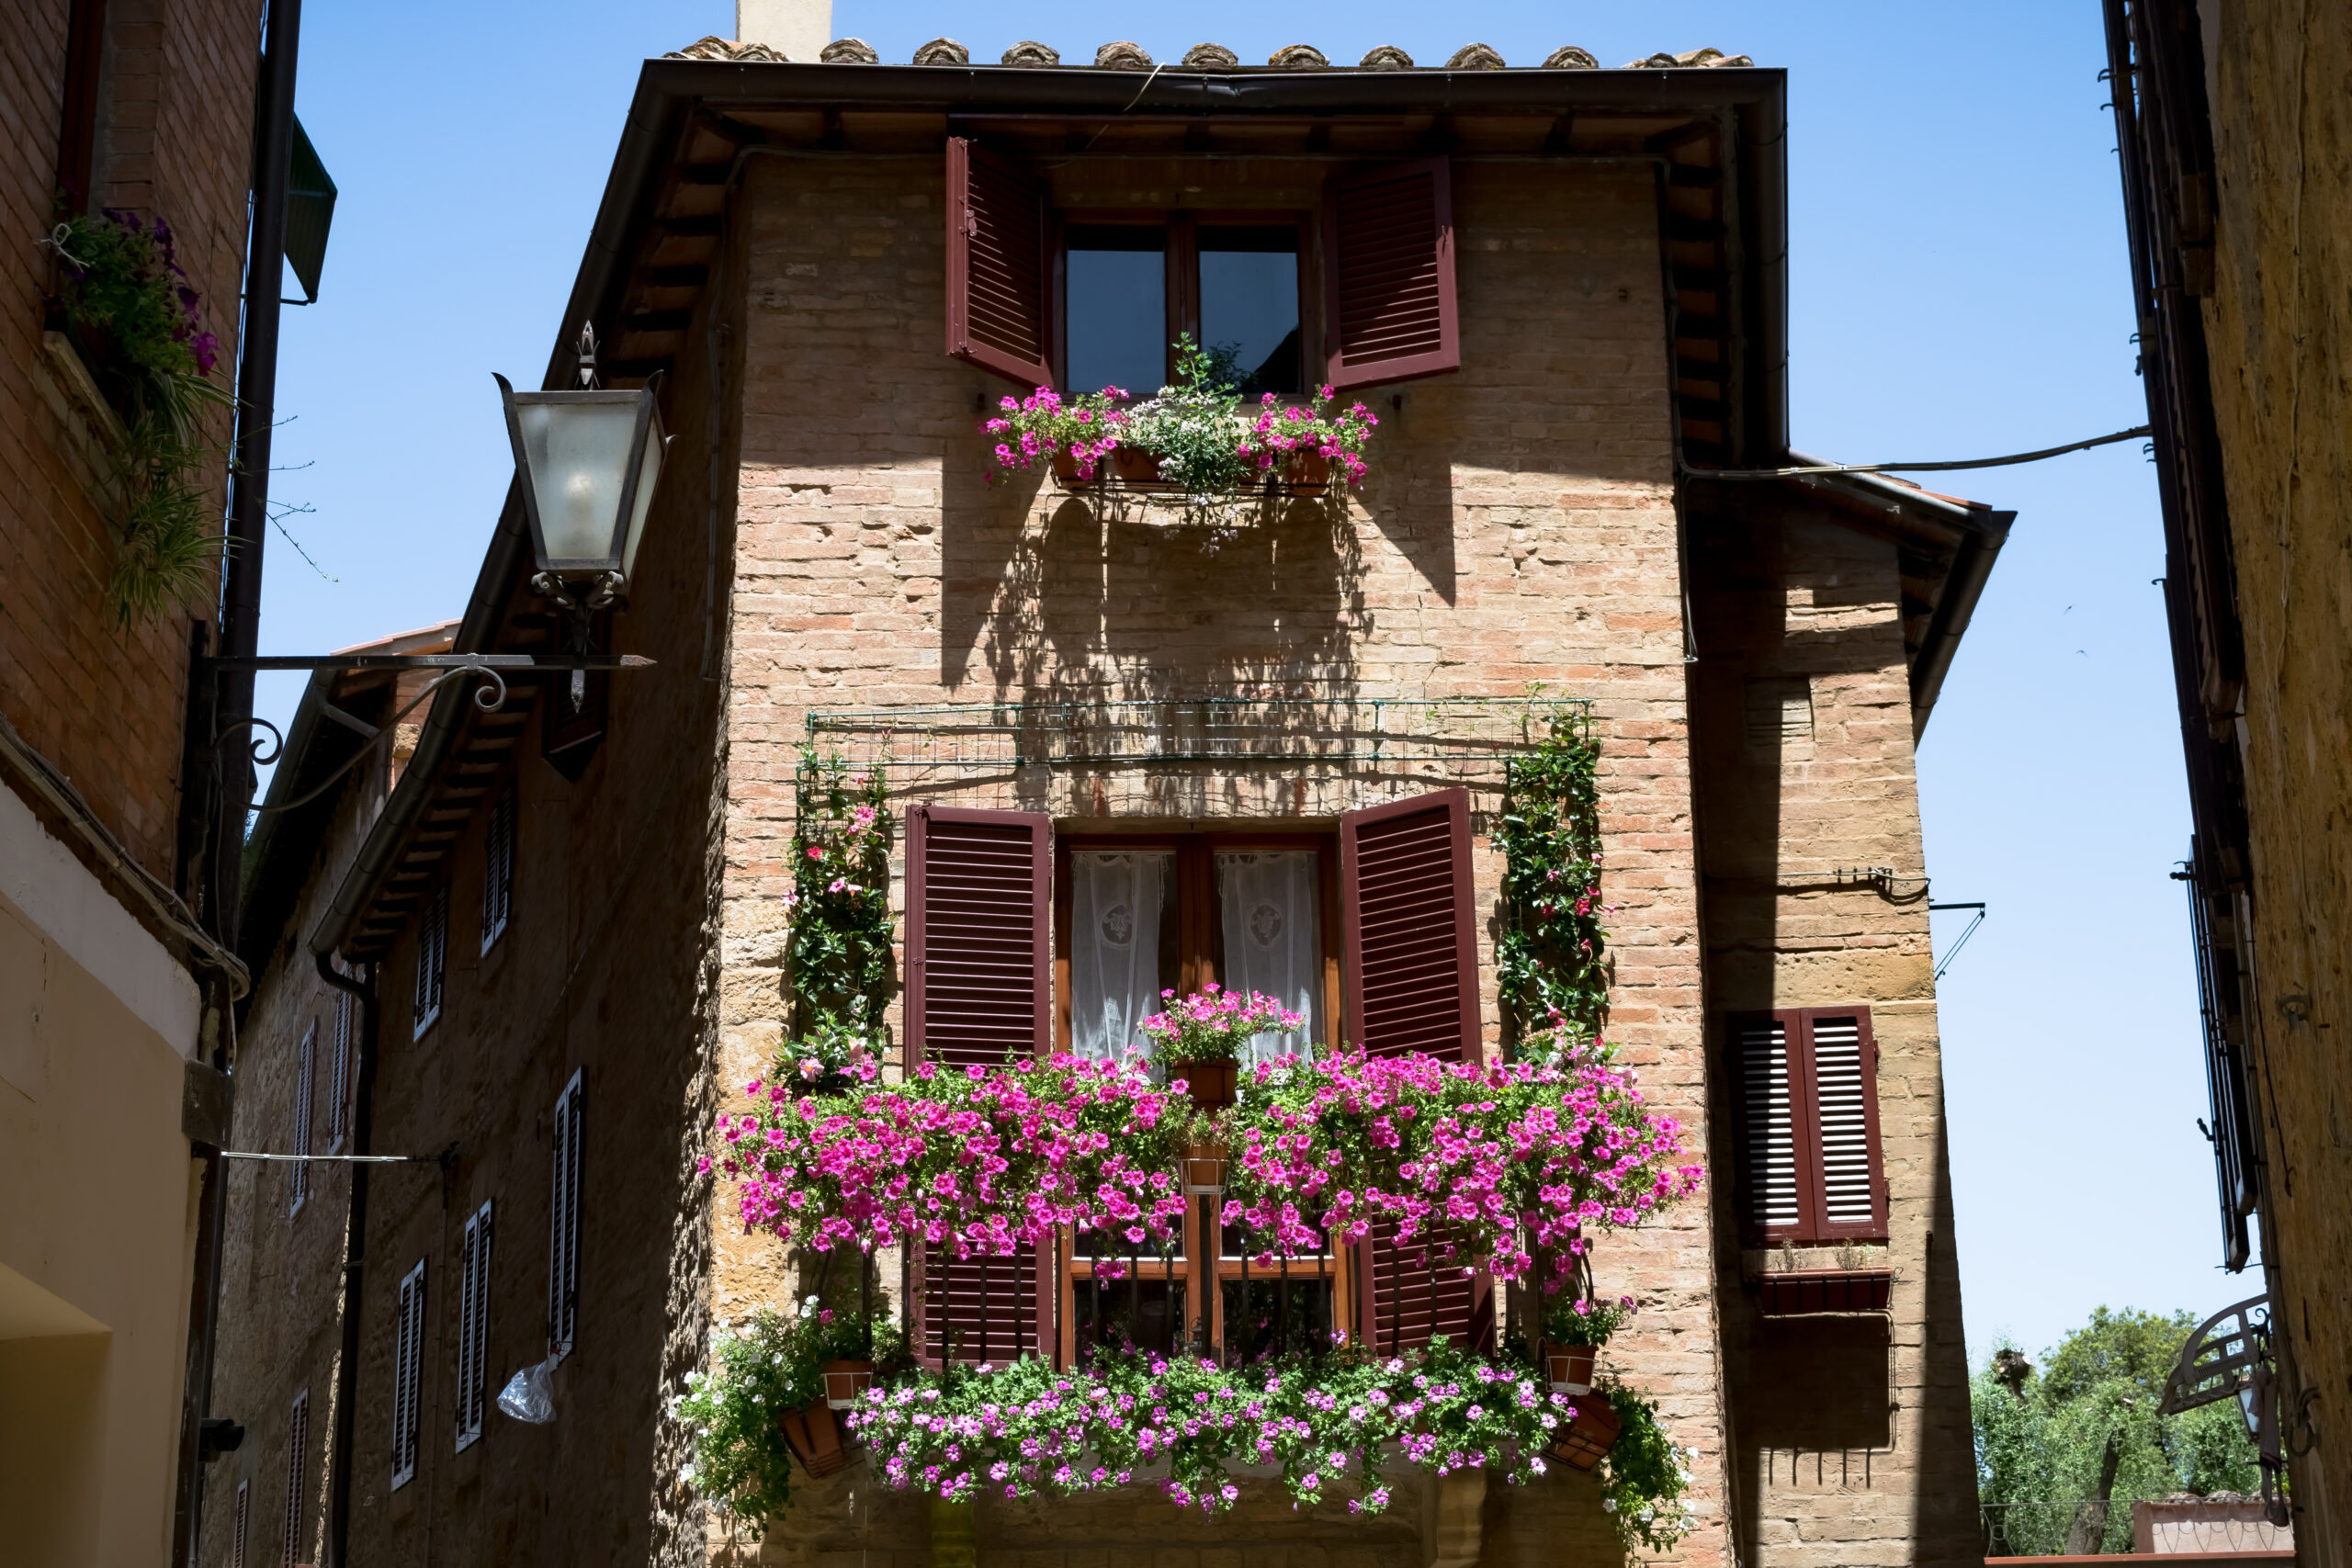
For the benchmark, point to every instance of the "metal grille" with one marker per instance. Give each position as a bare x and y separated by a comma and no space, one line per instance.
1475,733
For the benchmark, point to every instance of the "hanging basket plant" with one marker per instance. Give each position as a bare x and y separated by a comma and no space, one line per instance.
1196,445
1198,1040
130,314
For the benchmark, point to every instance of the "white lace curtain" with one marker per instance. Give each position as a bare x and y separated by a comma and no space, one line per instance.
1115,902
1269,912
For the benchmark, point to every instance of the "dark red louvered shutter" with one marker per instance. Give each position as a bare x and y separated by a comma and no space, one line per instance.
996,266
1804,1086
1408,905
1388,270
978,891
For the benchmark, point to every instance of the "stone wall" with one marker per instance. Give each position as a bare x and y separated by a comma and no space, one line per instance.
2279,325
1852,1431
1519,528
103,701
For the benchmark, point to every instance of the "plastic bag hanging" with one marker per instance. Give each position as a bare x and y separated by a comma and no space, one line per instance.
529,1394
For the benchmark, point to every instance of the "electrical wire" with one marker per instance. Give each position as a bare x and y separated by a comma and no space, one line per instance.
2015,457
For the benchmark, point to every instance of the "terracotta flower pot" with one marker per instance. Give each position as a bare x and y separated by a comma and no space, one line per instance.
1569,1368
844,1380
814,1437
1135,466
1204,1166
1065,466
1210,1084
1591,1435
1308,468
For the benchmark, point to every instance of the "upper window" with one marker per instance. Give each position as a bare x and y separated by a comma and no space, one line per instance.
563,1218
306,1070
473,1325
1130,287
1359,294
498,869
431,959
408,1356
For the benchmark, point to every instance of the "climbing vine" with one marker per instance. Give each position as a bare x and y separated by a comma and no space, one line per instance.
837,958
1550,958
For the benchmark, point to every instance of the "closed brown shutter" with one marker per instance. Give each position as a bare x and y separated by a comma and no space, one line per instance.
1804,1084
997,257
1388,265
978,891
1407,904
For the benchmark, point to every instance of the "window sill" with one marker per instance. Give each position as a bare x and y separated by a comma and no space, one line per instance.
1811,1291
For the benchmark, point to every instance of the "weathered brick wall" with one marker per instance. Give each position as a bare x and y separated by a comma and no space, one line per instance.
103,701
1519,528
2279,325
1851,1433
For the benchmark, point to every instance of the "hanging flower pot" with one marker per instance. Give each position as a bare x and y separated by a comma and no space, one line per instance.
1210,1084
1307,469
1135,466
1065,466
1591,1435
844,1380
814,1437
1570,1367
1205,1166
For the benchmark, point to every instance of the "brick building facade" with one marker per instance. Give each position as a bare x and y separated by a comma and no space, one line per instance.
110,990
828,558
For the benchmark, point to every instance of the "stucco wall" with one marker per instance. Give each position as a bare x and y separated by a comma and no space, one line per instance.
2279,325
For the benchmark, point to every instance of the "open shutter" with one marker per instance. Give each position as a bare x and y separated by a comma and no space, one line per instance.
1407,904
1806,1080
997,256
980,886
1388,270
1844,1070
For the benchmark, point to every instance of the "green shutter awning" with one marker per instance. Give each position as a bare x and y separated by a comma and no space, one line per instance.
310,209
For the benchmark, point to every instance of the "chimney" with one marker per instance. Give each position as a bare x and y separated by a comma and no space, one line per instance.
798,29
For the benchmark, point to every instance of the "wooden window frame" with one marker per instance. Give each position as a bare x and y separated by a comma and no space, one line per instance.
473,1326
298,1443
498,867
1180,278
1200,953
1813,1228
408,1382
339,1070
432,960
571,1147
306,1070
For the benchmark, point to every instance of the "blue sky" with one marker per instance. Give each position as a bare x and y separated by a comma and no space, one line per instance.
1959,289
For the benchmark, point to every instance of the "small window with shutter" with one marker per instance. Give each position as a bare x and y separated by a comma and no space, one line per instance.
473,1325
306,1071
1087,298
431,959
1804,1083
408,1361
563,1218
339,1070
1408,906
237,1533
298,1446
498,869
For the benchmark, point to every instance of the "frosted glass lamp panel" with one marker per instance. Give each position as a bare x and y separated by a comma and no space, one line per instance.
579,456
1271,908
649,471
1117,904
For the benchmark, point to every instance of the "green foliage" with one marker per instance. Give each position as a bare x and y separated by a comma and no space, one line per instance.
1197,428
1576,1320
768,1365
1551,964
131,315
1644,1480
2040,1451
838,954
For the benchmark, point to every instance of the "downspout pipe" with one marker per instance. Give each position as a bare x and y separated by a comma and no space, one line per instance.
240,634
355,1261
256,410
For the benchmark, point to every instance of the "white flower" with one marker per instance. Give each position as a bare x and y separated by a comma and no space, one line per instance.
686,1474
1609,1504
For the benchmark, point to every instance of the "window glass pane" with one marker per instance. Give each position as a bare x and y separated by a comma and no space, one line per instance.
1122,934
1268,909
1249,303
1117,308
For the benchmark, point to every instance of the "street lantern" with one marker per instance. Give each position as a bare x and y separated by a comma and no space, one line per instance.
589,459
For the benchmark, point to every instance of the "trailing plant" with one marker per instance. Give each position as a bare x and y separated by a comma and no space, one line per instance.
769,1364
1552,974
977,1161
1328,1421
1479,1165
838,955
1203,438
131,315
833,1056
1582,1320
1211,1026
1645,1479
